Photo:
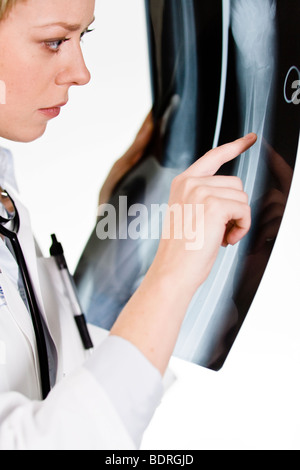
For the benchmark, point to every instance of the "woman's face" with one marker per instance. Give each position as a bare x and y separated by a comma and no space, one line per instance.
40,59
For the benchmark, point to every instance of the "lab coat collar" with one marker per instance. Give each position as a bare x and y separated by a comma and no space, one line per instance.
7,175
8,182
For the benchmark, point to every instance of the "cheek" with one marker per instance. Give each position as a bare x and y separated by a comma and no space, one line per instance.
18,116
24,82
27,83
21,86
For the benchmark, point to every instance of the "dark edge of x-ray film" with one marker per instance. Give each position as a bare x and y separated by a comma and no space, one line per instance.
218,71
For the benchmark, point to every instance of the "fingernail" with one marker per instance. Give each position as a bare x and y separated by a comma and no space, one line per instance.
250,136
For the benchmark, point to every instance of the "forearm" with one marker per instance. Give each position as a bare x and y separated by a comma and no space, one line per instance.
152,318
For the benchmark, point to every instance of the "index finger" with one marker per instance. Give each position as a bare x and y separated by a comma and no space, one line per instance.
211,162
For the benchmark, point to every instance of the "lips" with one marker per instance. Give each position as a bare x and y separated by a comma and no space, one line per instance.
52,112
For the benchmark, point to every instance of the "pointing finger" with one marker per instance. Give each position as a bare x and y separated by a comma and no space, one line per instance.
212,161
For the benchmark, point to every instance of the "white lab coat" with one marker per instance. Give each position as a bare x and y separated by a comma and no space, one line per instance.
77,414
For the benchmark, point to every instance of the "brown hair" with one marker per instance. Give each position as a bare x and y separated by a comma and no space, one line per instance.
5,6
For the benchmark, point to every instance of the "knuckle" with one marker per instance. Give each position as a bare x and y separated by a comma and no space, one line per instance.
177,181
249,211
174,185
247,215
213,204
184,184
245,197
237,182
202,193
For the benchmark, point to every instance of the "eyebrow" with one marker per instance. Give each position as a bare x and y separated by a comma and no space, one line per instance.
67,26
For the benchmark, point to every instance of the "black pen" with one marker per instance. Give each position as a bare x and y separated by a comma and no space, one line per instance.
57,252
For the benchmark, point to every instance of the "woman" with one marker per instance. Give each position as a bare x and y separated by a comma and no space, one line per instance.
107,400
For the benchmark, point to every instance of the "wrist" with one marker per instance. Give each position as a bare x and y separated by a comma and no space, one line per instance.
172,283
152,318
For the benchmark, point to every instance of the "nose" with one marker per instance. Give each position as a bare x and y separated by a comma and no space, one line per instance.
74,70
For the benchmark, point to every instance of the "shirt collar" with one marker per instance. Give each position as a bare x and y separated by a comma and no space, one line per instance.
7,173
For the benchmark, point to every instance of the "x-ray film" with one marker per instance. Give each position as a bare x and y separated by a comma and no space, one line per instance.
219,70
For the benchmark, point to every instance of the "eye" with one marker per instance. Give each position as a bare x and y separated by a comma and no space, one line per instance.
55,44
86,32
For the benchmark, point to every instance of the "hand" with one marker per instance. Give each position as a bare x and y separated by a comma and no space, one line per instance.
226,217
128,160
152,318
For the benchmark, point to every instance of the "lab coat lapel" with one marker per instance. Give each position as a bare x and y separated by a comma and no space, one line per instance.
29,250
19,312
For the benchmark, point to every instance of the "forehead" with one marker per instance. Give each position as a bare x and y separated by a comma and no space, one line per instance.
74,14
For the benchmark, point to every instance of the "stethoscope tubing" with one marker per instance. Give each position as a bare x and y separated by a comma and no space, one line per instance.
33,308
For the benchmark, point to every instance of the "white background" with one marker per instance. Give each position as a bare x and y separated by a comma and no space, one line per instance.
253,402
60,174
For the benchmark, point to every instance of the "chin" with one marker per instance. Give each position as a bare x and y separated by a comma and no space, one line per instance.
27,135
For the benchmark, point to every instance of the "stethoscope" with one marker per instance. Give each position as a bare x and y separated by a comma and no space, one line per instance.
12,220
